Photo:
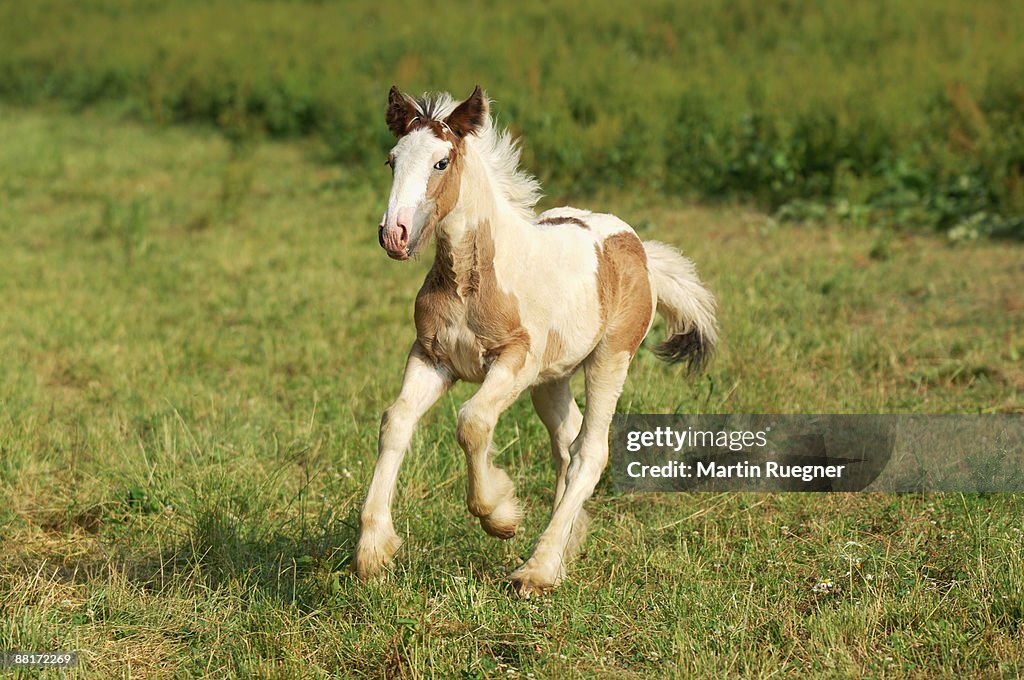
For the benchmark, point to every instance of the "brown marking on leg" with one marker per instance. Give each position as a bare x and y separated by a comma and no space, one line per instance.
472,433
623,291
565,220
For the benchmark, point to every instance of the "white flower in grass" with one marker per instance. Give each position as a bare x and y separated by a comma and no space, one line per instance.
823,586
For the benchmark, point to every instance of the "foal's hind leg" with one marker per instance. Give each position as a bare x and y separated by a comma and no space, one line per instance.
422,385
561,416
606,372
491,494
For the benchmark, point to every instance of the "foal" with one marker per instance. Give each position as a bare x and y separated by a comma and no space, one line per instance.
515,301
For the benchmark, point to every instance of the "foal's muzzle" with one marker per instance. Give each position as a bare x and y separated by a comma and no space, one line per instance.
395,242
394,234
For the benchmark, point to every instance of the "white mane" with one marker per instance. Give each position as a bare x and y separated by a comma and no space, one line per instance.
496,148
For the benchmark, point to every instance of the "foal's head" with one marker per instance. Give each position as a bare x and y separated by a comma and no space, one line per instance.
426,164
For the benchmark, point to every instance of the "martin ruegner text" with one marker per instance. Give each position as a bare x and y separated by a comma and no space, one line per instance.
744,470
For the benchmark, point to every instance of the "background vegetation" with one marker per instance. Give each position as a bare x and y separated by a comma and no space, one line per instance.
908,113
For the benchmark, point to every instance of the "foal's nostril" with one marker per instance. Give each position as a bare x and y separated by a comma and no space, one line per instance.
380,235
405,234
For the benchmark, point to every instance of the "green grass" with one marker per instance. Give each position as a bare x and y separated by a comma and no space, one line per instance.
908,113
198,340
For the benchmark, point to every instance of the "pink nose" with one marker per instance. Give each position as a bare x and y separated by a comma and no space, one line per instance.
394,234
394,238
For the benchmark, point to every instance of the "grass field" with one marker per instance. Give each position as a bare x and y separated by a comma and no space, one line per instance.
198,340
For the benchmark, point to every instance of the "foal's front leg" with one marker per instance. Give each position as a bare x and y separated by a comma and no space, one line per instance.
491,494
423,384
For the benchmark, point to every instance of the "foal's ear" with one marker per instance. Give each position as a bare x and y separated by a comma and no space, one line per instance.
401,111
469,115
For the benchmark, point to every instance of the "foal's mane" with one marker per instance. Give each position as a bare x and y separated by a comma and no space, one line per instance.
497,149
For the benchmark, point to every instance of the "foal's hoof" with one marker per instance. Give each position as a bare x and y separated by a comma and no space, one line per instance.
503,522
526,588
528,581
372,556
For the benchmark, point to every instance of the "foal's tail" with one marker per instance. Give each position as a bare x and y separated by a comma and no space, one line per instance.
686,305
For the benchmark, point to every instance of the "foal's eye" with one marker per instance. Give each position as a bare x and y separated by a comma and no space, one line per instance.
441,164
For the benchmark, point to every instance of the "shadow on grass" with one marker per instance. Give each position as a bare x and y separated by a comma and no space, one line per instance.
278,559
241,543
220,549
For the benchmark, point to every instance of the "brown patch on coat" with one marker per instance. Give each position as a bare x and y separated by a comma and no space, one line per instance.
623,291
443,191
462,289
554,349
492,314
565,220
436,309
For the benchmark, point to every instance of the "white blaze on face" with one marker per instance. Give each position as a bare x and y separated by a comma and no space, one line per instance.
413,159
